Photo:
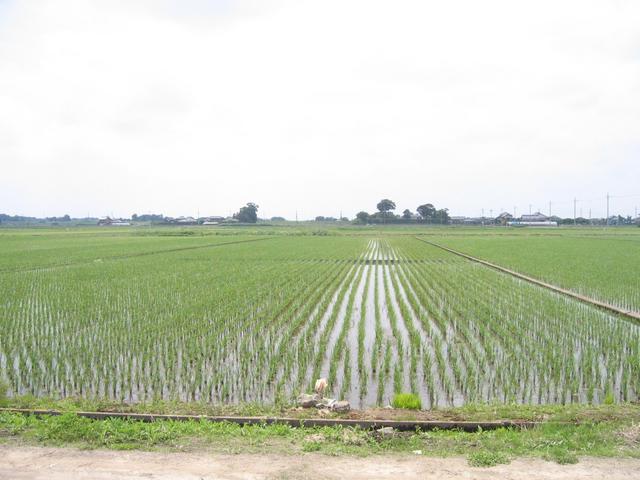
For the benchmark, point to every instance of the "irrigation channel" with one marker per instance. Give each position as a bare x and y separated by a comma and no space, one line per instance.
399,316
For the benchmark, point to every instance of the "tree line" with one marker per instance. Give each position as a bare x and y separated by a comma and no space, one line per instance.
425,213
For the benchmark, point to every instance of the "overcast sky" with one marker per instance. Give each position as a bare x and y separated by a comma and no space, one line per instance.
180,106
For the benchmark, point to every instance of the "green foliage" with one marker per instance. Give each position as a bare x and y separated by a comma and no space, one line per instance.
609,398
248,213
562,443
386,205
409,401
487,459
3,392
563,457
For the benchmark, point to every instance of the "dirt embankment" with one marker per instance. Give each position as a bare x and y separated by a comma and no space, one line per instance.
31,463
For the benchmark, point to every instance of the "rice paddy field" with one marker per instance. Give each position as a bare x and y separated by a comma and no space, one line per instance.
257,316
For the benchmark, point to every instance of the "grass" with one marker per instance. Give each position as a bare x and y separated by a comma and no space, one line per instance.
471,412
487,459
561,443
408,401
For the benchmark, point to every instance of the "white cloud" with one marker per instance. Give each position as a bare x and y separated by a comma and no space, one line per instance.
175,106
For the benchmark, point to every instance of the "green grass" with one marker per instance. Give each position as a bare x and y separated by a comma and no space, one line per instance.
3,392
485,458
409,401
622,412
554,442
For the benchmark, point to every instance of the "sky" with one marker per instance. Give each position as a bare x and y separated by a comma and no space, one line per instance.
180,107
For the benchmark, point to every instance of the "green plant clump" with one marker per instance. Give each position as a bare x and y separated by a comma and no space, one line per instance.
3,393
409,401
487,459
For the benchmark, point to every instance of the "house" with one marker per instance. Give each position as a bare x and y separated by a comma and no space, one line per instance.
504,218
534,217
186,220
113,222
213,220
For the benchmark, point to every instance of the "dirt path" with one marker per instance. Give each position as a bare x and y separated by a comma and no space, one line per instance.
21,463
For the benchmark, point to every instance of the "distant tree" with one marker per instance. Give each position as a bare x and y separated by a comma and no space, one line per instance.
385,205
344,219
406,214
442,216
134,217
248,213
362,217
66,218
427,212
278,219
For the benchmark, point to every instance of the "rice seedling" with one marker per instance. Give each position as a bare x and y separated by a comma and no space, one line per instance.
229,319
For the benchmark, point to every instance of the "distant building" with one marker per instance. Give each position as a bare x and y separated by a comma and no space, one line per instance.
213,220
534,217
504,218
113,222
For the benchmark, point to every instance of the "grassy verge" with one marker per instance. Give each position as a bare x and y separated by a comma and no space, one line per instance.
609,435
629,412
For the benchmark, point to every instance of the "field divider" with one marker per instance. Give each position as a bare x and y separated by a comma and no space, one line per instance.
399,425
591,301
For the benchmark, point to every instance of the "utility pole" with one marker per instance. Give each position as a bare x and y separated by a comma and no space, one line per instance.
296,216
607,208
482,220
549,208
574,210
529,209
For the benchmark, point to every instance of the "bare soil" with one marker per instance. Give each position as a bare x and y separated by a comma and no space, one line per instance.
22,463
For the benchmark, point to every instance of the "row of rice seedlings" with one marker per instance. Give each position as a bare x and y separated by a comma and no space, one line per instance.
286,359
338,352
362,370
565,371
130,367
322,341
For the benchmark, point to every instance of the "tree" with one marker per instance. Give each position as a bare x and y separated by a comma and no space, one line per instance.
385,205
362,217
248,213
406,214
442,216
427,212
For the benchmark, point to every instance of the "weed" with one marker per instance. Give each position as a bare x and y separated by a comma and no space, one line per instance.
487,459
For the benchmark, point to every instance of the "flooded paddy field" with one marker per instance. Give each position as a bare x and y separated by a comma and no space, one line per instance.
257,318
